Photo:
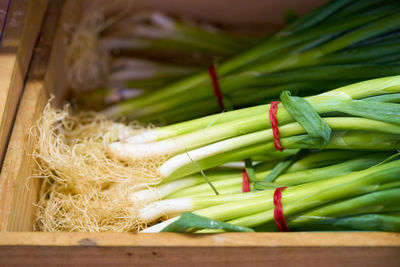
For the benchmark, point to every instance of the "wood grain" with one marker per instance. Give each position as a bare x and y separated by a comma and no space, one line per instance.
230,249
3,14
22,27
234,13
18,193
300,239
198,256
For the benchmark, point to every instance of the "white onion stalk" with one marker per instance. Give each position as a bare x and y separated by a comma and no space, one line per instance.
159,226
235,165
125,70
165,207
147,30
163,190
220,178
226,186
170,207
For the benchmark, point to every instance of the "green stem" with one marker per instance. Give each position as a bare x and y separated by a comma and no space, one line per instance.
251,144
293,202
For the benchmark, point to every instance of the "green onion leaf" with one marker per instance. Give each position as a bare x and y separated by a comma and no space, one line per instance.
203,174
282,166
307,117
261,185
389,98
250,169
386,112
363,222
190,221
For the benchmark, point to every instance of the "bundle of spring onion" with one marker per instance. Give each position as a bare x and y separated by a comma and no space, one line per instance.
311,166
340,43
97,171
316,203
141,52
349,114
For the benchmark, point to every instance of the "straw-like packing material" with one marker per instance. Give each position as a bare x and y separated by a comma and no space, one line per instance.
85,188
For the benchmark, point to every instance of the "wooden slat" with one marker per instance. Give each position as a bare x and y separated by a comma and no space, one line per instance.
23,23
258,15
231,249
300,239
203,256
3,14
17,194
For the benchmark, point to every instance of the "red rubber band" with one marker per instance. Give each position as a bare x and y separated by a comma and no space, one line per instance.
274,124
245,182
214,77
278,211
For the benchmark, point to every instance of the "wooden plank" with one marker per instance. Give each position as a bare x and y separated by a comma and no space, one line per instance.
4,4
256,15
17,194
203,256
230,249
23,24
300,239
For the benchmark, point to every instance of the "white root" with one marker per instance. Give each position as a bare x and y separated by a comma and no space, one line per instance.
153,194
84,189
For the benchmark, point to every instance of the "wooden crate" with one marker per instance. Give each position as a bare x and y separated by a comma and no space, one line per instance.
21,29
4,4
19,245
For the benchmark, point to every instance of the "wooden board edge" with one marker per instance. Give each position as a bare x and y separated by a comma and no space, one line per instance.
16,194
301,239
4,6
32,15
198,256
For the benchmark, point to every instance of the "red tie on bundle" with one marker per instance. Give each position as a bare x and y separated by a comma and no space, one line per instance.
217,91
278,210
245,182
272,111
274,124
214,77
